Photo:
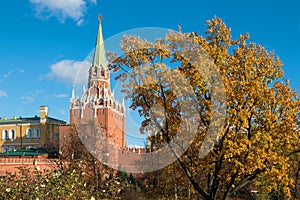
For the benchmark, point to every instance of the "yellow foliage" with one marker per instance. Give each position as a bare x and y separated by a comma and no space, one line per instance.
261,116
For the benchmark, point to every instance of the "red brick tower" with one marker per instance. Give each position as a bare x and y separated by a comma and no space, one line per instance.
98,101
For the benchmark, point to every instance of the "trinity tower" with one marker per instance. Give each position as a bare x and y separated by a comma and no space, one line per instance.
97,100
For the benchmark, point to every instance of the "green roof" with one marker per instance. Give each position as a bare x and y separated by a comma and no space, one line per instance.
26,120
99,53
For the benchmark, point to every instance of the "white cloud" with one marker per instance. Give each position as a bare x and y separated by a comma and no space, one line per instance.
79,22
70,71
62,112
8,74
27,99
31,98
60,96
62,9
3,93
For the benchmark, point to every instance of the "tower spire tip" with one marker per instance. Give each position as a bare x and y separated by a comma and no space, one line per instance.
100,18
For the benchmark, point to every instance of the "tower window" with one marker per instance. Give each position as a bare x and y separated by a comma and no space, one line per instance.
102,72
66,138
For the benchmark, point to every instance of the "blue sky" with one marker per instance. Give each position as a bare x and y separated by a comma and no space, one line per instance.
43,42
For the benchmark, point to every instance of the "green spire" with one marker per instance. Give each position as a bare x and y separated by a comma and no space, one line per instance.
99,53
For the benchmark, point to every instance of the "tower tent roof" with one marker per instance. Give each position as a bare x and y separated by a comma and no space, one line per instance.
99,59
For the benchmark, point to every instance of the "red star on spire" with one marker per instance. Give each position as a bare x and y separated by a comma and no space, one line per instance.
100,17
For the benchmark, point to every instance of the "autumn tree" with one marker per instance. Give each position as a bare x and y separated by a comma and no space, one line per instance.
245,127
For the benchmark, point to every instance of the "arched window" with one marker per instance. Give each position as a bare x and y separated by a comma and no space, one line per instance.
36,133
12,134
28,133
5,135
11,148
4,149
102,72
